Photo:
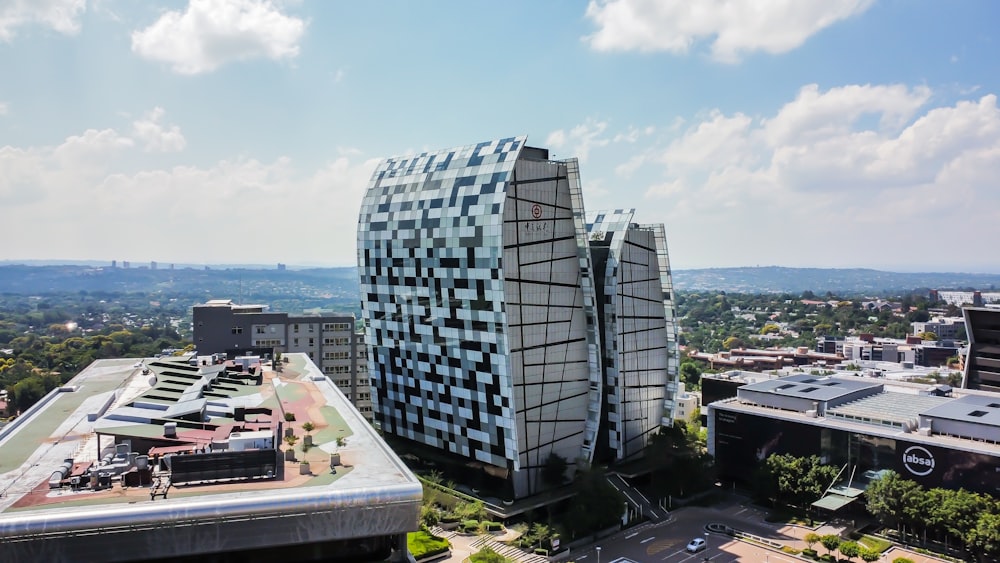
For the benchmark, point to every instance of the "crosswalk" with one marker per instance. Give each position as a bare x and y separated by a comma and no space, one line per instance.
487,540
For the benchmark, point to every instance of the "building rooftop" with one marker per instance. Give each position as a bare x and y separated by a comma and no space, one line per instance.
901,410
815,387
126,425
978,409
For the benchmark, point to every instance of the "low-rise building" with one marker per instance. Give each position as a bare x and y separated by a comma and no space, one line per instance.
332,341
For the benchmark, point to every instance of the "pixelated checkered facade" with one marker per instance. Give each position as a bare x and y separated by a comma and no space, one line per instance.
478,292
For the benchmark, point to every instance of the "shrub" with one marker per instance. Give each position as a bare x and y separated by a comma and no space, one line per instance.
449,518
487,555
810,553
469,526
493,526
289,417
902,560
789,550
828,558
425,544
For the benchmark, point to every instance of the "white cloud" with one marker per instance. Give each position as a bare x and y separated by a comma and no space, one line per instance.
580,139
859,167
155,136
3,108
211,33
91,207
60,15
734,27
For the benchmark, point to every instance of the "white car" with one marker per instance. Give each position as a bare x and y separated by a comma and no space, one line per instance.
696,545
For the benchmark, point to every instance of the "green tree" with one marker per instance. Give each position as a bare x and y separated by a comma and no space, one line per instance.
690,373
830,542
811,538
732,343
487,555
984,538
596,505
554,470
887,497
849,549
869,555
928,335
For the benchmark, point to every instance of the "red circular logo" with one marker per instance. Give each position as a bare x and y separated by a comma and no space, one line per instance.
536,211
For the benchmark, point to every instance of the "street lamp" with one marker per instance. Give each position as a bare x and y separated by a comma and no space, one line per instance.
707,558
598,548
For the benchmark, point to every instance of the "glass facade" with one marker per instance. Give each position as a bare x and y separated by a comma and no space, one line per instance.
636,319
477,289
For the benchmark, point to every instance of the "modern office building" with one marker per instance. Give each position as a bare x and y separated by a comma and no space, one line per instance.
931,435
331,341
485,336
173,460
634,299
982,364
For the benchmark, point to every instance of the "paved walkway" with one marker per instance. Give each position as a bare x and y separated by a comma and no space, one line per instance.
463,546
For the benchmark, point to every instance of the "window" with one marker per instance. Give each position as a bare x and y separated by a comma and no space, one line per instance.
259,329
295,327
237,330
312,341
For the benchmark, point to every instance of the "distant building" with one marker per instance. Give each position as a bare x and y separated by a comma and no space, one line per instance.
946,328
330,341
688,403
491,324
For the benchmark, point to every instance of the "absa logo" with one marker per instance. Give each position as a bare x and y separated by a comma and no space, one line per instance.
918,460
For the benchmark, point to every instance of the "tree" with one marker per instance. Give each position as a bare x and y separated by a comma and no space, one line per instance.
985,537
733,342
308,427
596,505
811,538
830,542
554,470
886,498
849,549
690,373
928,335
869,555
487,555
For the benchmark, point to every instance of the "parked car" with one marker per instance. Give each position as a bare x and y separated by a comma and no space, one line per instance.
696,545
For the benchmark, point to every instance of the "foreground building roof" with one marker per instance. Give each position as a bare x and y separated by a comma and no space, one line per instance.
177,433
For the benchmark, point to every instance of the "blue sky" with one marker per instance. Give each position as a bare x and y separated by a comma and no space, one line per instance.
821,133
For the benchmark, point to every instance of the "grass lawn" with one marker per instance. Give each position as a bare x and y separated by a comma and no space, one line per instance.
875,544
423,543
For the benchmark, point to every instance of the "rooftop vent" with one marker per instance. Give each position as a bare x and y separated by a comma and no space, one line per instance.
977,413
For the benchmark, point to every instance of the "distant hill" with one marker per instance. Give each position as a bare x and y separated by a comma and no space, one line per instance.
776,279
341,284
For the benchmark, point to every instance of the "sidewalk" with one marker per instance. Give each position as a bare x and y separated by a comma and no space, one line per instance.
463,546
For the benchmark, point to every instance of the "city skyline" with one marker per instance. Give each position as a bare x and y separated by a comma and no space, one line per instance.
816,134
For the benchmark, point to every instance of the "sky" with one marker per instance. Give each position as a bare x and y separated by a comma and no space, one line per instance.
803,133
